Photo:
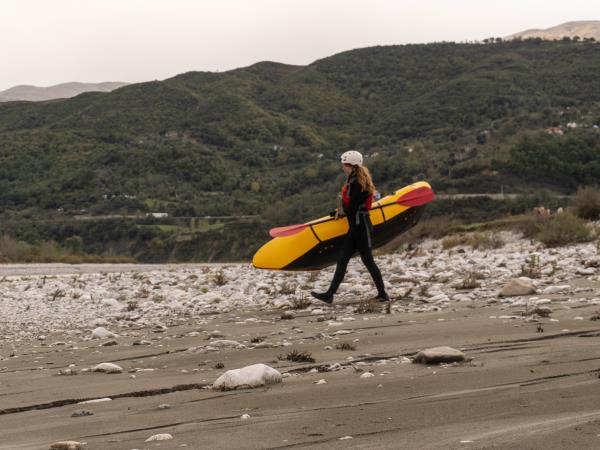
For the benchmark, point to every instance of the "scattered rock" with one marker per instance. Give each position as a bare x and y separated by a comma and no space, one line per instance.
102,333
438,355
160,437
542,311
224,343
247,377
107,368
82,413
517,286
96,400
66,445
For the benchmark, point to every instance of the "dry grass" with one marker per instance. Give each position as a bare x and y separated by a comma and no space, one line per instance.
532,269
12,250
296,356
477,241
558,230
300,302
132,305
586,203
471,281
345,346
368,306
287,288
219,278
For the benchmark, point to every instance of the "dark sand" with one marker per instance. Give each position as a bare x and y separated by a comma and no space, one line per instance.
523,389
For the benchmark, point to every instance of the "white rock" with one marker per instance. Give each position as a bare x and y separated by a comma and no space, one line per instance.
245,416
437,355
562,289
321,381
96,400
247,377
160,437
517,286
66,445
107,368
225,343
367,375
112,303
102,333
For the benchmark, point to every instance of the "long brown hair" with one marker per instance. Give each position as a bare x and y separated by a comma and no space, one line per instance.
364,179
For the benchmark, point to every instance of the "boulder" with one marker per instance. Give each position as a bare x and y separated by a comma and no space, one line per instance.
517,286
438,355
102,333
107,368
66,445
160,437
252,376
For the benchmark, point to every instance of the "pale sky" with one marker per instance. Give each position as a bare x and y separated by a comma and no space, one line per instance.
46,42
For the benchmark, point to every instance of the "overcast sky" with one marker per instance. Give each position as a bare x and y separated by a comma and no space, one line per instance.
45,42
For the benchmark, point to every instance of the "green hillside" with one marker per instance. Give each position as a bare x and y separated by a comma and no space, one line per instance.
263,141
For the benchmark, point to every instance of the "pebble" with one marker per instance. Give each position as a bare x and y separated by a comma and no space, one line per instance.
160,437
67,445
107,368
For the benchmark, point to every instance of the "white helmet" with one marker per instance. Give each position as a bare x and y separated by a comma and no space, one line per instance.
352,157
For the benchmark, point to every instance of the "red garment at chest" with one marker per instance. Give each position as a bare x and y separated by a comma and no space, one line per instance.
346,198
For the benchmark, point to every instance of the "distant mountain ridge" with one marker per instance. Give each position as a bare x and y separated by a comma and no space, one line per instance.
583,29
63,90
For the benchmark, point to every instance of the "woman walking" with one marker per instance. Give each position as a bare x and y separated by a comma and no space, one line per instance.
357,197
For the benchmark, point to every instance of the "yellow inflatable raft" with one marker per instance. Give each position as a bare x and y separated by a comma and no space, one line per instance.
316,244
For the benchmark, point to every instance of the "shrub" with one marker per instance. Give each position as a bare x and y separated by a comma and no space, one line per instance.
482,241
562,229
296,356
586,203
300,302
368,306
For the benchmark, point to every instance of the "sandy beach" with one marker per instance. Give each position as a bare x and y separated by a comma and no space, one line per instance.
529,381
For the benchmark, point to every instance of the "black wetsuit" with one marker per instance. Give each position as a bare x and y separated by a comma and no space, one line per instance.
359,238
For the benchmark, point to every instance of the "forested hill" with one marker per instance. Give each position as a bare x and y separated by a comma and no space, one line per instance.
264,140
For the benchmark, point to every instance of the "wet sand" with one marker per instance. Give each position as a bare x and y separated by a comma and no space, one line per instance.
523,388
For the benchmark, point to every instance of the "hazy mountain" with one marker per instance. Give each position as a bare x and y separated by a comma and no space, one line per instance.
583,29
64,90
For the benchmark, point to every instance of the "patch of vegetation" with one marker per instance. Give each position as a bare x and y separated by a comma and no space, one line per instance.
300,302
477,241
296,356
586,203
286,315
219,278
471,281
532,269
287,288
368,306
558,230
345,346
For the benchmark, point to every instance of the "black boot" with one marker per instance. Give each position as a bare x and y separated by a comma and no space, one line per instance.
383,297
323,296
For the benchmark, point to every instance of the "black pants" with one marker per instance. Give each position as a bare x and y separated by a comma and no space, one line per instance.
357,239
